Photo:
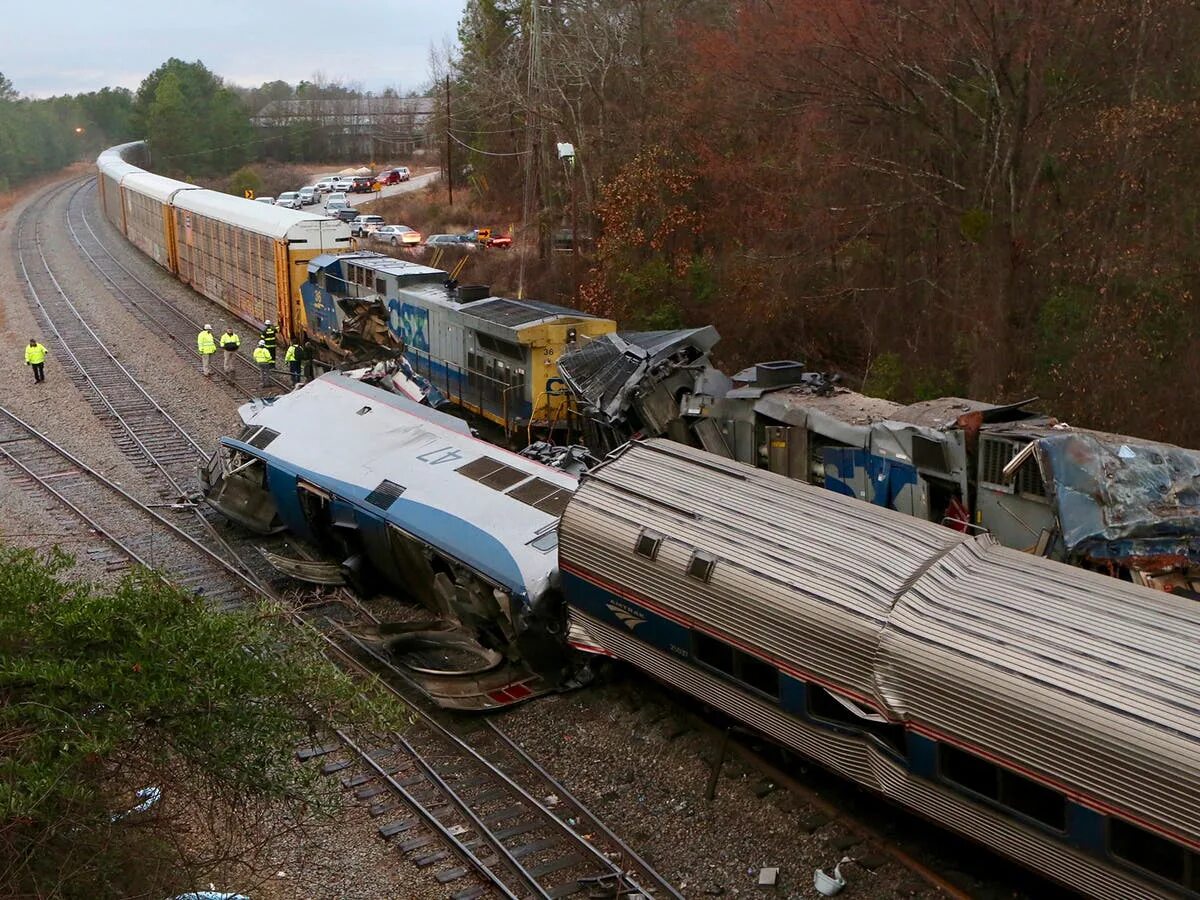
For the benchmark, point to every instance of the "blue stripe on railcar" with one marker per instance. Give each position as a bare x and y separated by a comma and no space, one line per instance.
281,483
469,544
601,604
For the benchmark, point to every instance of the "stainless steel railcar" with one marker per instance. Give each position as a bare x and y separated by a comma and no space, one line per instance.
1048,712
248,257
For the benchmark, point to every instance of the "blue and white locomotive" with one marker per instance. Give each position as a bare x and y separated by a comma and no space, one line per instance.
397,491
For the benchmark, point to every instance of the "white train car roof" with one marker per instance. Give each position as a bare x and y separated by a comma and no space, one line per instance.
275,222
112,163
157,187
799,573
1091,681
494,511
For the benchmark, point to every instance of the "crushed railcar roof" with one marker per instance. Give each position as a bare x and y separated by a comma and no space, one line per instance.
1125,500
603,372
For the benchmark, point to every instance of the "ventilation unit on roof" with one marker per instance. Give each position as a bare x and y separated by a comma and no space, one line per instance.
469,293
385,494
778,373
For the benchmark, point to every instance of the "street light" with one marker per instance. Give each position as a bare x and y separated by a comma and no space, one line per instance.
79,129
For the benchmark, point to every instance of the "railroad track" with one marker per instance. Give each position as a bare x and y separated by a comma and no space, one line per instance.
142,428
135,533
505,813
156,311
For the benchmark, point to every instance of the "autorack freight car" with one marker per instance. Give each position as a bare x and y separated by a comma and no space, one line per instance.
249,257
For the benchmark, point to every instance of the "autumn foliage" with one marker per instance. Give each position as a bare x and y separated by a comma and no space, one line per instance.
972,197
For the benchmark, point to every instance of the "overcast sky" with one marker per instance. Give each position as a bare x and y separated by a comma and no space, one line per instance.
75,46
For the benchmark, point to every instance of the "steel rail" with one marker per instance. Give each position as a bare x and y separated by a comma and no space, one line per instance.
428,817
466,748
103,397
117,489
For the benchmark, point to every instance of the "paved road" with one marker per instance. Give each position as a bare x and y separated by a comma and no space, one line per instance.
362,201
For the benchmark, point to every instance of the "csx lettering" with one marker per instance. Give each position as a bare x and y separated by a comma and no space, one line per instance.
439,456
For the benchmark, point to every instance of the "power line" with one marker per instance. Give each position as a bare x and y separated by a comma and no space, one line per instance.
452,137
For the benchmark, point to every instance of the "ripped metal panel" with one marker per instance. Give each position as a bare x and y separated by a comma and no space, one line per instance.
1133,502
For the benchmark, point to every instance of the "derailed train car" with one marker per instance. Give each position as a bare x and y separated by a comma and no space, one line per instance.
393,490
1048,712
248,257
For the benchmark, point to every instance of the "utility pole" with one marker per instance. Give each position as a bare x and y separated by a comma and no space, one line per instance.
449,146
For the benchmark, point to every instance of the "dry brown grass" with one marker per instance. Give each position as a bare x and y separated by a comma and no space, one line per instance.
8,199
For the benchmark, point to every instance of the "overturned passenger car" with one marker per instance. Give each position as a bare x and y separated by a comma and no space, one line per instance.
404,495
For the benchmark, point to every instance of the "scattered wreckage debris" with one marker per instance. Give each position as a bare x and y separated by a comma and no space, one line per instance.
397,376
1123,506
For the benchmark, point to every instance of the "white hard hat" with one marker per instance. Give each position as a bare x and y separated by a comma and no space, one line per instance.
262,343
268,322
208,328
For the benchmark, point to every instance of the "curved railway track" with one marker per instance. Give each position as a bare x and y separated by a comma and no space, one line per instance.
454,796
496,838
152,308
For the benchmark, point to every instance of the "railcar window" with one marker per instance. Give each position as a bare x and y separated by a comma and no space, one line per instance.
700,566
742,667
1037,801
1148,851
647,544
712,652
380,286
969,771
1018,793
757,674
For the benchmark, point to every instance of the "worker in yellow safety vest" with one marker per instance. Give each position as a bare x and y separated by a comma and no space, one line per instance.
266,362
270,335
206,345
35,355
230,343
293,362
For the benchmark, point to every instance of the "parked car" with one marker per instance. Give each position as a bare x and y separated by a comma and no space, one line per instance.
396,235
364,225
361,184
325,184
333,206
308,195
453,241
344,183
290,199
484,237
346,213
269,200
393,176
335,196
